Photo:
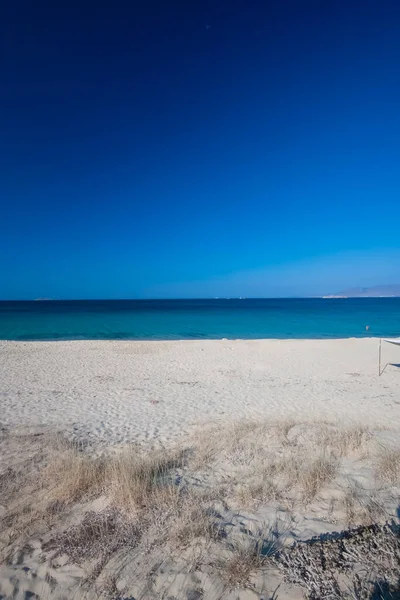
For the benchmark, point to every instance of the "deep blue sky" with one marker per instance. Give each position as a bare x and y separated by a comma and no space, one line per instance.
198,148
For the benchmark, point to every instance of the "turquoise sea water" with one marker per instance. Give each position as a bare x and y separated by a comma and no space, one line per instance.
191,319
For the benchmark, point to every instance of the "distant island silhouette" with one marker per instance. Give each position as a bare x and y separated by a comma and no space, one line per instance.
377,291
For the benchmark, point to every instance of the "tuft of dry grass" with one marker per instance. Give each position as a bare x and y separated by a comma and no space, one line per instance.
321,471
245,560
362,510
129,477
265,490
276,480
263,465
343,441
10,480
246,556
350,505
135,480
195,520
388,467
74,475
240,443
98,535
141,492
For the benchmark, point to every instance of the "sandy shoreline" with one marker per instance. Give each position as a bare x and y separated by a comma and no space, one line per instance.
302,440
122,391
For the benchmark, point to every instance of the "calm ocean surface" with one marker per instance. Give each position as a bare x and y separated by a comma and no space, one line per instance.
191,319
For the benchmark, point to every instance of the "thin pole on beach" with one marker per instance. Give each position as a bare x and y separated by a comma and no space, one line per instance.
380,355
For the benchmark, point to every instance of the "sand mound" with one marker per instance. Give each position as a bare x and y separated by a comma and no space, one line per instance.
213,516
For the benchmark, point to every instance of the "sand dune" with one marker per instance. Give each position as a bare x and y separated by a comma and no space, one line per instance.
196,456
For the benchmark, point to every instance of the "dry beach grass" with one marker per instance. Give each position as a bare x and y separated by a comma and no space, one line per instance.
209,514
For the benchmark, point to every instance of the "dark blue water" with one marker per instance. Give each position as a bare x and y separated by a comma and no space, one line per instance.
191,319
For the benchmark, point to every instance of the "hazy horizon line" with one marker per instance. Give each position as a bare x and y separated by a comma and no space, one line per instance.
171,299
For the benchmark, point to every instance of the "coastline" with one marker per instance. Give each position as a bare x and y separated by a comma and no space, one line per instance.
368,336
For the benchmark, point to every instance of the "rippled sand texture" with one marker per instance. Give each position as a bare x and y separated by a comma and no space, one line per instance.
117,391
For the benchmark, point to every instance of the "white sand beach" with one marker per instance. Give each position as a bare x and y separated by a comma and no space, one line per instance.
123,391
200,455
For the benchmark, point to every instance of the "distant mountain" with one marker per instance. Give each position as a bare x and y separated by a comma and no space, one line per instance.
377,291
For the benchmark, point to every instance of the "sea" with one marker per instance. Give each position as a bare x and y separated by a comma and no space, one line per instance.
200,319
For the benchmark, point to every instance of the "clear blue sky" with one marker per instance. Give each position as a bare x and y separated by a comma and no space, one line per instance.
198,148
